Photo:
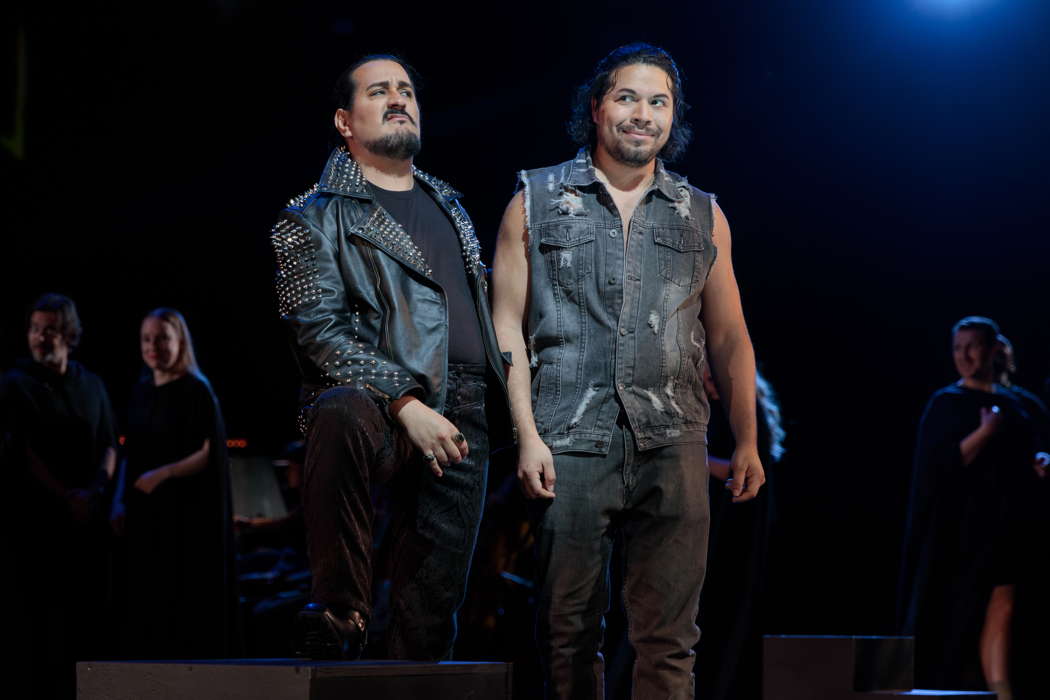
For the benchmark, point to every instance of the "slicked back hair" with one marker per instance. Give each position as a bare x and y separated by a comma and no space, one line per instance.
988,328
581,125
344,89
68,318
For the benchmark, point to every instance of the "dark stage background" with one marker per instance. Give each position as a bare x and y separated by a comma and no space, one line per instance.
882,163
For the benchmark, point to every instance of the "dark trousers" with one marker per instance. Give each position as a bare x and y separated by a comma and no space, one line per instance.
353,447
658,501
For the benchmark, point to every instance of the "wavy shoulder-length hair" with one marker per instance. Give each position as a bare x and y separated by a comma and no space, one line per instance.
581,125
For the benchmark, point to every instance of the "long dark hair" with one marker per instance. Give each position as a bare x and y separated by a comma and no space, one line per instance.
581,125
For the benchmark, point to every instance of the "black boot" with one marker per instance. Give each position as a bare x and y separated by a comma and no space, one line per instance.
321,635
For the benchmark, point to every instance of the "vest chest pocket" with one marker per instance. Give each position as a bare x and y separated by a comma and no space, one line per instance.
568,248
680,254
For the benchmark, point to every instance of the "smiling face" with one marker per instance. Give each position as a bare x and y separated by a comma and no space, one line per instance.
633,119
973,355
384,116
160,344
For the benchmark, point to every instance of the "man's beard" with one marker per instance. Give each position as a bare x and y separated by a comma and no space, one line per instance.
635,156
400,145
44,355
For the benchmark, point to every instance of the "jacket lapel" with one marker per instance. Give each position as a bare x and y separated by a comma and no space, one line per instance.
343,176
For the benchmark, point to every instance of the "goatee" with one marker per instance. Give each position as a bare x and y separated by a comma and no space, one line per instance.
400,145
635,157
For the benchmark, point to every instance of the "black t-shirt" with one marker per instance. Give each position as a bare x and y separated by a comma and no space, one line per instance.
65,419
432,231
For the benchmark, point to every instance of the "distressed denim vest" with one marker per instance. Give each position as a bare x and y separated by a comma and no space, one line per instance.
609,327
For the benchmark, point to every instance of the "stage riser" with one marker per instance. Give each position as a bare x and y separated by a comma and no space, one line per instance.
290,679
843,668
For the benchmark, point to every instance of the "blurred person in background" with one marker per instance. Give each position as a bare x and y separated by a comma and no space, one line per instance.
59,458
173,504
967,542
729,654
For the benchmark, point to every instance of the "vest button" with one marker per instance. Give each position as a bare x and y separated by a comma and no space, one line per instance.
600,444
612,280
623,331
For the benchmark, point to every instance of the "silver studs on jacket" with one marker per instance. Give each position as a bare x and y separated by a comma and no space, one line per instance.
297,271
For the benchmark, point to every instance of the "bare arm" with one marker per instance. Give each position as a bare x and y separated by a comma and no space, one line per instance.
732,361
510,279
719,467
187,466
971,445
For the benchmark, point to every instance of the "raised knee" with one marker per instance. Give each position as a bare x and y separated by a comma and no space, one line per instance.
340,404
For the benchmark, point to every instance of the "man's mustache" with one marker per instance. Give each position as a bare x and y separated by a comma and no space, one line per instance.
652,131
401,112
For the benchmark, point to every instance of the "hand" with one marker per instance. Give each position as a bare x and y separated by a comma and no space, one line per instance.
432,434
149,481
746,474
116,518
1041,464
536,468
991,419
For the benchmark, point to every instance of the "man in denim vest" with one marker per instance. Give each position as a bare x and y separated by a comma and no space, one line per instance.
606,280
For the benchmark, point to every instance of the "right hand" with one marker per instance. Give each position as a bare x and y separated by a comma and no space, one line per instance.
536,468
991,419
431,433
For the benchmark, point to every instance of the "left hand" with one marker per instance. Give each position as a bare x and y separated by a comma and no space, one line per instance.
746,474
151,480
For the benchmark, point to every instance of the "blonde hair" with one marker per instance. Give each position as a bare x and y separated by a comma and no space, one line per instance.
186,361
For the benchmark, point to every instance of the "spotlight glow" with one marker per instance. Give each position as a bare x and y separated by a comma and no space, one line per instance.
951,7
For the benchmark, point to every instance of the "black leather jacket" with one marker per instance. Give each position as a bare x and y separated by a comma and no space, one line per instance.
359,296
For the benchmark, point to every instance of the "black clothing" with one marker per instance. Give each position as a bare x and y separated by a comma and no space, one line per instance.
433,234
1037,412
964,530
372,313
62,577
179,537
361,299
353,449
1031,611
65,419
729,655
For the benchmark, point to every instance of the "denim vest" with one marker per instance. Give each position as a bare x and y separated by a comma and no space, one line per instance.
607,329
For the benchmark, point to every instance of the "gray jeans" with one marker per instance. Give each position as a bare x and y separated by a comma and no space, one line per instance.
658,500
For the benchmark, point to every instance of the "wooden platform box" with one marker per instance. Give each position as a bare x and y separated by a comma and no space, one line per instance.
292,679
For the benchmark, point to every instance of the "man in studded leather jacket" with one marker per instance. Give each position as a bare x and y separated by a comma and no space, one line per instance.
381,282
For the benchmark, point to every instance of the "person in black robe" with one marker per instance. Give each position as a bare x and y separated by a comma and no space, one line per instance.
174,505
1022,611
965,534
59,454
